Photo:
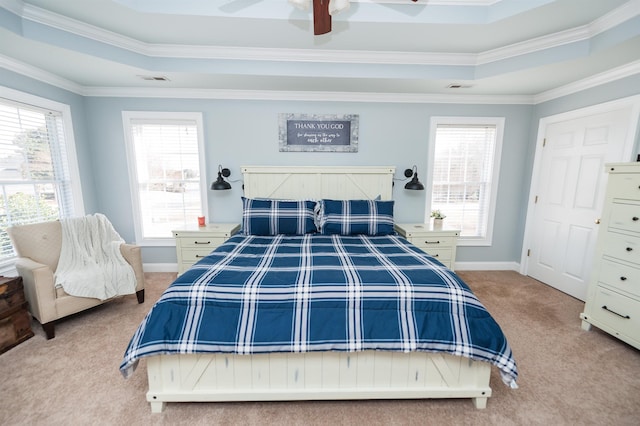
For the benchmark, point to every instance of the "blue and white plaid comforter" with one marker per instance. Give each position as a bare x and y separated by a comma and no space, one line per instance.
318,293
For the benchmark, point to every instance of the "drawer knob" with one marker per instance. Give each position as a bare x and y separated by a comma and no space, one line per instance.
635,218
623,278
615,313
200,242
432,242
629,249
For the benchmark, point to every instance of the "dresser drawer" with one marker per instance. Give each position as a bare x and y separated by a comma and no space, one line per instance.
625,216
621,246
621,277
619,312
625,186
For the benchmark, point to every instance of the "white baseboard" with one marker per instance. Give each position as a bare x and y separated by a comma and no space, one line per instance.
487,266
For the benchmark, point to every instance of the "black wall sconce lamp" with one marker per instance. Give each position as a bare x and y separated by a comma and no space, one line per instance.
220,183
414,183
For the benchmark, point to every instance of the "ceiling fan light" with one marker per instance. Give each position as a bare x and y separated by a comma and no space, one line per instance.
301,4
336,6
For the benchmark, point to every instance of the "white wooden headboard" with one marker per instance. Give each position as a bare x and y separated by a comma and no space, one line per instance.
314,182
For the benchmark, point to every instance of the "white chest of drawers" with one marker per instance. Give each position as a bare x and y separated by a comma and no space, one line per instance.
192,244
613,298
439,243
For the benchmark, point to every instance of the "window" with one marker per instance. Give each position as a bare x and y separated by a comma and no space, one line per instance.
37,164
168,189
465,160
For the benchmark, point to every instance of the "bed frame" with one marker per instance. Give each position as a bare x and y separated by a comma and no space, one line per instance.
316,375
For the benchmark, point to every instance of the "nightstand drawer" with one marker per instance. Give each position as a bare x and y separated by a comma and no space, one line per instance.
430,242
194,255
617,311
439,243
201,242
443,254
622,277
192,244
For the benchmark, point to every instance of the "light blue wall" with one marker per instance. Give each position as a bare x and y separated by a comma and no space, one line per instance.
244,132
240,132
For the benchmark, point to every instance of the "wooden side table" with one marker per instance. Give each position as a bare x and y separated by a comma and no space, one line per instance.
15,321
194,243
439,243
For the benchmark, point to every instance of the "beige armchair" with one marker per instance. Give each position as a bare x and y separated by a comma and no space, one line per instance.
38,249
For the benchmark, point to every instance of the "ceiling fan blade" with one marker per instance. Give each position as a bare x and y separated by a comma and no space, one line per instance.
321,17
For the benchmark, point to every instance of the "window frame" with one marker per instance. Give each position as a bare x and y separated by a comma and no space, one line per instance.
16,96
499,123
127,118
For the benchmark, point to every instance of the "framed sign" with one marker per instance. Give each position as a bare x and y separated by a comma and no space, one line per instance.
319,132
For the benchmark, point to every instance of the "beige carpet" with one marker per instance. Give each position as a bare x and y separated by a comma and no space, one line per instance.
567,376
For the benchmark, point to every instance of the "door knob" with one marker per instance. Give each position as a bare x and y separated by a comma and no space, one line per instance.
597,221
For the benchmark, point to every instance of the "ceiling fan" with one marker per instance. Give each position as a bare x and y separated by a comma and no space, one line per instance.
322,11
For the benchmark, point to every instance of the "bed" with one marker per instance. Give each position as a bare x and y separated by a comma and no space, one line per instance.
283,312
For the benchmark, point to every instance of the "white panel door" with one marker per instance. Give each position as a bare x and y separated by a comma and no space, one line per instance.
569,195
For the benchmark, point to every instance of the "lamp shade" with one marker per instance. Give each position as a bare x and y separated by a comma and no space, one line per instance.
414,184
220,183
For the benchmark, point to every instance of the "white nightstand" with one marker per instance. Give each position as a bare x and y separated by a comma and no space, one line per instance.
440,243
196,242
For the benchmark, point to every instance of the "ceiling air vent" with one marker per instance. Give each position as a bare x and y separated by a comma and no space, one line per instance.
154,77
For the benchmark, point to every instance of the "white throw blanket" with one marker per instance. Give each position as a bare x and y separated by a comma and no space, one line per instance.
91,264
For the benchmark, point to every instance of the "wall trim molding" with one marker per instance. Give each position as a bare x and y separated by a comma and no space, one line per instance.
35,73
609,76
82,29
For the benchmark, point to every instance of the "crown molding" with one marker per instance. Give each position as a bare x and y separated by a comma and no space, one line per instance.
574,35
63,23
615,17
535,45
312,96
40,75
625,12
614,74
82,29
14,6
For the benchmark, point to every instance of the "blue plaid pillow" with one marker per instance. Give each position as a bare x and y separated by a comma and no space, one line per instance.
272,217
352,217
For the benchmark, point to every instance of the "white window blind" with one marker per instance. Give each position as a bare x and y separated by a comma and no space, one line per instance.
166,159
463,180
34,173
